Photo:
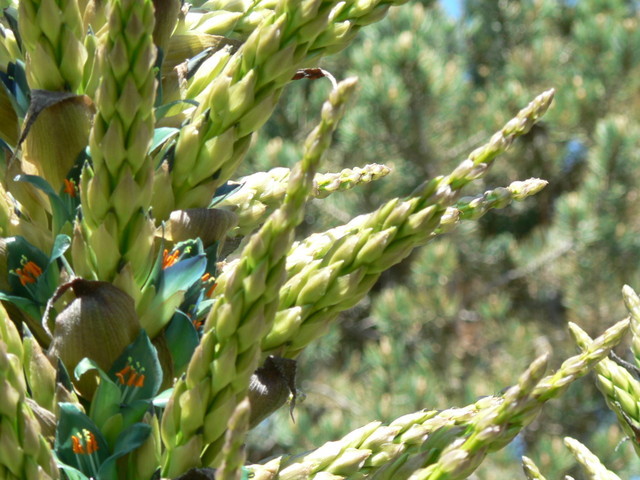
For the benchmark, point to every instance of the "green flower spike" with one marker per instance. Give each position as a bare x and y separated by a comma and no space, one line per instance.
233,456
24,453
619,388
592,466
261,193
447,444
116,191
52,33
332,271
219,373
237,101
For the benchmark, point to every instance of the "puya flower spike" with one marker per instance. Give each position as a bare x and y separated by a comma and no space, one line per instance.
331,271
116,189
219,373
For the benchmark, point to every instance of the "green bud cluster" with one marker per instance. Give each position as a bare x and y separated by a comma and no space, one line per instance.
52,33
332,271
262,192
233,456
24,452
242,89
447,444
218,375
116,192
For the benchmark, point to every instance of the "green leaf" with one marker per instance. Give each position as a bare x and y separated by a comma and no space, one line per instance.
60,245
127,441
107,398
105,402
29,307
134,412
182,339
223,192
161,135
70,472
182,275
137,371
162,399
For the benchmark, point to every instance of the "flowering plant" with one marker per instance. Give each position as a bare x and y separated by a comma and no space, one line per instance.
137,340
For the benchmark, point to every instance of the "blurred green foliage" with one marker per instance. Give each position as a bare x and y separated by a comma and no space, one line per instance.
464,316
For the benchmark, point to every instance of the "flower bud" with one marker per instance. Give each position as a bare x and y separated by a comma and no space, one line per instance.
209,224
99,323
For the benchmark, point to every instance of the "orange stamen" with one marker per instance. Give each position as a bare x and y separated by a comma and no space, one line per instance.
205,277
132,379
210,290
84,443
77,446
169,260
69,187
140,381
92,444
122,373
29,273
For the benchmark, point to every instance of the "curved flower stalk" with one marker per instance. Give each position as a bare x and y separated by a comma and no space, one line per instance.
446,444
263,192
331,271
116,191
24,452
218,374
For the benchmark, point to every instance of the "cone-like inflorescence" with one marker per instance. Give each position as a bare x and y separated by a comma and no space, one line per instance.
263,192
219,372
24,453
589,462
240,91
116,192
52,34
332,271
446,444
